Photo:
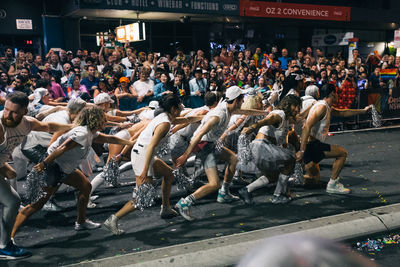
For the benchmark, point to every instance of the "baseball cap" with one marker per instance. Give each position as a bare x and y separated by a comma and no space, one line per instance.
69,52
154,104
233,92
76,105
199,70
124,79
102,98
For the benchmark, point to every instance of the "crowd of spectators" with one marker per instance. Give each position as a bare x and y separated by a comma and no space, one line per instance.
134,78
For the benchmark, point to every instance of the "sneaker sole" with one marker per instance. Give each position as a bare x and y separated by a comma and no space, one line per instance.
222,200
184,215
169,215
109,228
87,229
338,192
6,257
93,198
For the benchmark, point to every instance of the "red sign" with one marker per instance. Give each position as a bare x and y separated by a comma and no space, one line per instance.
293,11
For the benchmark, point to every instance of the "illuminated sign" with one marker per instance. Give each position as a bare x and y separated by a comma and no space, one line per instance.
293,11
220,7
132,32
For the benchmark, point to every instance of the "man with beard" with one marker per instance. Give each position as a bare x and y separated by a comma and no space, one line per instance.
19,85
14,127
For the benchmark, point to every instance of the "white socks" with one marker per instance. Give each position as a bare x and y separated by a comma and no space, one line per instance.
96,182
262,181
225,187
281,186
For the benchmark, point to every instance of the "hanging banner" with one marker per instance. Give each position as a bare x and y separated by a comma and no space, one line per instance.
293,11
220,7
396,40
332,39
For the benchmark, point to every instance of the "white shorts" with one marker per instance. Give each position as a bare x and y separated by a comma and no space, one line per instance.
123,134
138,156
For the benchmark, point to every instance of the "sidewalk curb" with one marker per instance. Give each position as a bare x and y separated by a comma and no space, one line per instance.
367,129
227,250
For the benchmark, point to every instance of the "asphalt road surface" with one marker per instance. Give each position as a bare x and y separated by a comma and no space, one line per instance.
372,172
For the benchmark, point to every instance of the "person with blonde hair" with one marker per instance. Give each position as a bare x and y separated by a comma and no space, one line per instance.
61,165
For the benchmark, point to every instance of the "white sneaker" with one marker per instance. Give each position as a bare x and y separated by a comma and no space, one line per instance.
337,188
87,225
224,197
91,205
94,197
51,206
112,224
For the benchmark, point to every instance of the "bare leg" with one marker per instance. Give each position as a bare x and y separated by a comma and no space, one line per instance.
230,157
30,209
341,155
78,180
212,186
126,209
162,169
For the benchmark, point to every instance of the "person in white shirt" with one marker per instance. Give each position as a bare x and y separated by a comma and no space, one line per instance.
204,142
61,165
14,126
315,131
143,89
146,165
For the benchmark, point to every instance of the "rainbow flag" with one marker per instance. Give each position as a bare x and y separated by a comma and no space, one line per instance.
388,73
268,61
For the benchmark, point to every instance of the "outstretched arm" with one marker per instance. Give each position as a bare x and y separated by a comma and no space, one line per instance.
349,112
234,126
251,112
271,119
64,147
50,127
111,139
196,139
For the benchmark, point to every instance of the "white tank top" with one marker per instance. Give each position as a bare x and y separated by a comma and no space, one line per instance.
220,111
281,131
320,129
147,134
191,128
12,138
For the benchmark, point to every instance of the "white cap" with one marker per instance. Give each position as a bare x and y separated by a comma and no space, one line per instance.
233,92
76,105
154,104
312,90
103,98
38,94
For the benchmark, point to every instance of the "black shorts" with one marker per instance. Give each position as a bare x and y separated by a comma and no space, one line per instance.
315,151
